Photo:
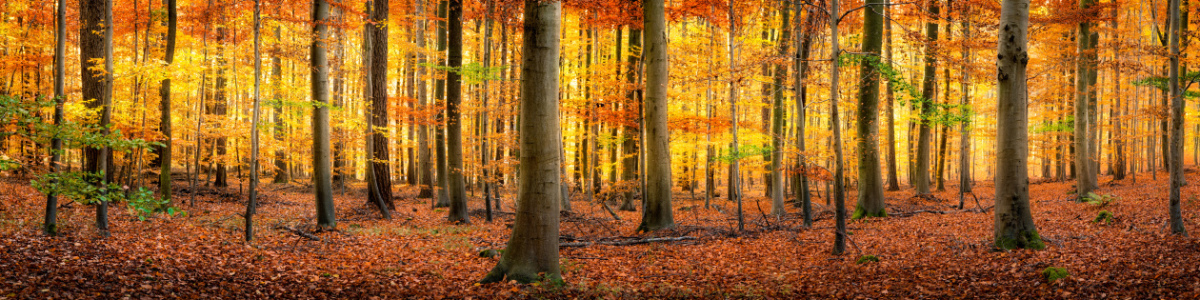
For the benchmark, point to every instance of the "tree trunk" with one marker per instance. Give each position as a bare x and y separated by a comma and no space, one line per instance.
1013,227
870,182
164,92
964,153
439,85
380,193
252,201
456,188
656,207
893,181
1177,115
804,44
532,251
839,240
777,118
1083,174
50,225
320,119
629,157
281,167
925,105
96,90
734,182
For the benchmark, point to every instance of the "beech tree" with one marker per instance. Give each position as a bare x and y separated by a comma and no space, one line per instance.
95,48
925,105
870,182
656,207
532,251
320,118
1177,114
164,92
1013,227
456,188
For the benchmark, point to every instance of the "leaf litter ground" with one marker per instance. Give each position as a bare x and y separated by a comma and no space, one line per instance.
927,249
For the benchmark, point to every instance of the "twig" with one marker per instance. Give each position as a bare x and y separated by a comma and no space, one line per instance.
299,233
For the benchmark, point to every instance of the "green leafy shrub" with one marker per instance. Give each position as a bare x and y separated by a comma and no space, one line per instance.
867,259
1105,217
1099,200
1051,274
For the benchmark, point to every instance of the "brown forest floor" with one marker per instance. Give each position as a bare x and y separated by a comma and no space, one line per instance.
420,255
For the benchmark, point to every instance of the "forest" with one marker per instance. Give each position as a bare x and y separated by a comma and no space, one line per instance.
615,149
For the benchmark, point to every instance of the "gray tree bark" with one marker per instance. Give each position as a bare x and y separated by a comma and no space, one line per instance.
94,44
1013,227
380,185
925,106
656,205
252,201
319,63
1177,115
839,197
777,117
50,225
532,251
870,182
1085,178
425,169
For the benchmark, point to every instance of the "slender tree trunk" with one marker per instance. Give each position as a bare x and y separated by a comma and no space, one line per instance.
50,225
281,168
893,181
457,188
164,93
483,119
925,105
320,120
964,153
629,158
777,117
734,182
803,47
443,199
1013,227
532,251
839,240
870,183
1177,115
253,199
1083,158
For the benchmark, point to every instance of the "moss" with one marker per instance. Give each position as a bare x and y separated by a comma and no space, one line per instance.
860,212
1052,274
1028,240
1105,217
488,253
866,259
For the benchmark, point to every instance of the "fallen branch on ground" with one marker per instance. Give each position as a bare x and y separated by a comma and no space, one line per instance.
299,233
628,242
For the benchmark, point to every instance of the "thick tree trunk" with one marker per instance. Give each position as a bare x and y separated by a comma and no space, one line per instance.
870,182
94,45
380,185
320,120
656,207
532,251
1013,227
925,105
455,185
